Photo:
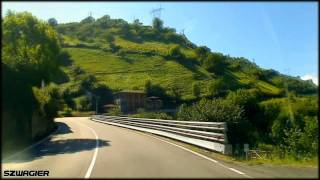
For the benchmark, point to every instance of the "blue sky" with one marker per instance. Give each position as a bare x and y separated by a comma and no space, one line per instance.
282,36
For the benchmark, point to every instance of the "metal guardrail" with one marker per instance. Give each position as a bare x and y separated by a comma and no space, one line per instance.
211,135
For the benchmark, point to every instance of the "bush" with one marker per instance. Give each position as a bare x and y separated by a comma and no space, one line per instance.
142,113
293,126
174,52
196,90
202,52
216,87
248,99
109,37
83,103
216,110
67,112
215,62
115,111
154,90
49,100
114,48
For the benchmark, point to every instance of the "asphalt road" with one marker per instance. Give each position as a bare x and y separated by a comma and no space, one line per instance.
81,148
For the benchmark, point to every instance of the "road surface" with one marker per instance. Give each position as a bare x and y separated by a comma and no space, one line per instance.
81,148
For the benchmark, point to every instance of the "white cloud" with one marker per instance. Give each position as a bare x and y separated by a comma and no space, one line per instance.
312,77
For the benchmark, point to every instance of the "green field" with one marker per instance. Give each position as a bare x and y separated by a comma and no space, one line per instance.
131,71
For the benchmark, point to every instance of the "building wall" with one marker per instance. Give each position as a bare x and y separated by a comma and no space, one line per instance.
129,102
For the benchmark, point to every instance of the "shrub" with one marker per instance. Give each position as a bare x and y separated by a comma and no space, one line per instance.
115,111
216,110
216,87
196,89
83,103
109,37
142,113
174,52
215,62
114,48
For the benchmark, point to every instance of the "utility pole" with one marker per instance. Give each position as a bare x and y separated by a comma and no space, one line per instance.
97,99
156,12
42,84
182,31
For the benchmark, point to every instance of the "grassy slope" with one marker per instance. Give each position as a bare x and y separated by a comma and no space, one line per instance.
131,70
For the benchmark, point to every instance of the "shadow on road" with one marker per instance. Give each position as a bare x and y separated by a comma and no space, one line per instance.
58,147
53,147
63,128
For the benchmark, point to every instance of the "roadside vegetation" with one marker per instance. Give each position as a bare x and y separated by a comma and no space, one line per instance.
30,59
73,69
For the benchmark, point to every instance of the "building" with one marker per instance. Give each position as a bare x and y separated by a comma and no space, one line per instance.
130,100
153,103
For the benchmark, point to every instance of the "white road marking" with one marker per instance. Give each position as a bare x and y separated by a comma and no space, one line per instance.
94,155
198,154
31,146
239,172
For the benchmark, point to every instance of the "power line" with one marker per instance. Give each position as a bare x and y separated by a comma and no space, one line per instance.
157,12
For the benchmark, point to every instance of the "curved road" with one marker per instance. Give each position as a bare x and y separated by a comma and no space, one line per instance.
81,148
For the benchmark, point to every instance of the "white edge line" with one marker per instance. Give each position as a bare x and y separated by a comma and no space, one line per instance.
31,146
198,154
239,172
90,168
181,147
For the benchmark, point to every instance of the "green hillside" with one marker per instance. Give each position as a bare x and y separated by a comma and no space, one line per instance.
74,69
125,55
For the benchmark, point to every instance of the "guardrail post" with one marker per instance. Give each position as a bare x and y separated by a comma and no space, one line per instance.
225,133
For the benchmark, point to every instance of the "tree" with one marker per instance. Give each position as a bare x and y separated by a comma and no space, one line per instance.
147,87
174,52
104,21
30,46
216,110
87,82
125,30
246,98
215,62
196,89
154,89
137,24
157,24
175,92
30,54
108,37
53,22
88,19
216,87
202,52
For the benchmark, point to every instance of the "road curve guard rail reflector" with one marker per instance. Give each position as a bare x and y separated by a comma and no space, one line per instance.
208,135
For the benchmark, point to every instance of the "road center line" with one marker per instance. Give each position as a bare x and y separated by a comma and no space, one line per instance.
94,155
198,154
